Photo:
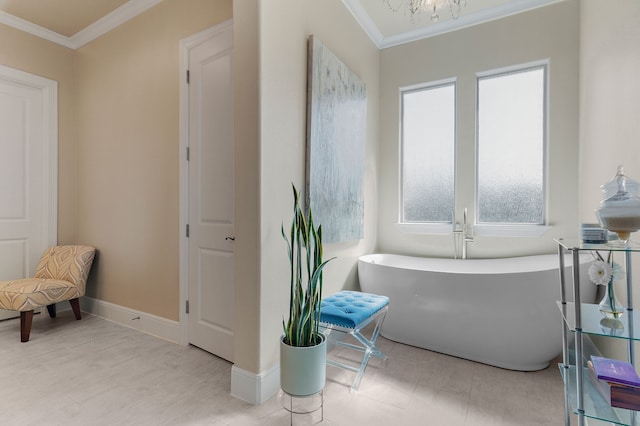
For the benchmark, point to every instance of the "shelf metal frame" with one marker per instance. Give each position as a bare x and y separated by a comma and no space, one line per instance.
575,248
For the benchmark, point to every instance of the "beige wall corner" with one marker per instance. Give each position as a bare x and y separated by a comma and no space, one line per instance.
127,134
284,29
246,29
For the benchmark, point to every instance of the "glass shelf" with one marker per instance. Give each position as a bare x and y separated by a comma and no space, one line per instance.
573,244
593,322
595,406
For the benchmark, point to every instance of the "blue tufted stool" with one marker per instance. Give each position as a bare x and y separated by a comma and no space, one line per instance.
349,312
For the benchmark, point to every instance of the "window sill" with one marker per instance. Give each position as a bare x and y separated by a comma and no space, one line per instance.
425,228
529,231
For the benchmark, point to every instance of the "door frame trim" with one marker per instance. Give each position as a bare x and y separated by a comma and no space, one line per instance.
185,48
49,90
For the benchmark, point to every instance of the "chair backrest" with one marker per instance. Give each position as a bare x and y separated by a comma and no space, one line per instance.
68,263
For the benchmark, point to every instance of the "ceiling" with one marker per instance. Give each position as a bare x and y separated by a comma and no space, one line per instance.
73,23
65,17
388,28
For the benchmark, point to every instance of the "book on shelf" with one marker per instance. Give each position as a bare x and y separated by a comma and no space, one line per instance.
617,394
615,370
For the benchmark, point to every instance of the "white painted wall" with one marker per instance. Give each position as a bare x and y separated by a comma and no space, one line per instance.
609,110
550,32
594,67
285,27
270,91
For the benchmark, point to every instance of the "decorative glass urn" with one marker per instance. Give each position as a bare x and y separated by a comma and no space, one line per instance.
620,212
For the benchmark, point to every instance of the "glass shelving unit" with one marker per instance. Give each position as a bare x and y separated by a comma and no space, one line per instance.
586,318
594,404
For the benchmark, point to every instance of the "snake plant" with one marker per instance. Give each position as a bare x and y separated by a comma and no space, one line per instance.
304,247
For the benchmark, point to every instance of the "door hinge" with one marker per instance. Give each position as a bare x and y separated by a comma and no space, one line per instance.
188,77
187,306
187,233
188,154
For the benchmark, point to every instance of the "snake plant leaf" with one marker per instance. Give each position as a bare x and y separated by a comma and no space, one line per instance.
304,249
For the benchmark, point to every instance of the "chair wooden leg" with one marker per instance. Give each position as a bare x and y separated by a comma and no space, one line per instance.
52,310
75,305
26,318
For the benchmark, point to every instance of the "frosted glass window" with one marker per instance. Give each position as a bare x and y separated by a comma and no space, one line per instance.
428,150
511,147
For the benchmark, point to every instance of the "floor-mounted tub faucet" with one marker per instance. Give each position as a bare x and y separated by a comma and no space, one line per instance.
465,236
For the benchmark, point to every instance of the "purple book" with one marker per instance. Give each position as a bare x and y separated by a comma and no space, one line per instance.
616,371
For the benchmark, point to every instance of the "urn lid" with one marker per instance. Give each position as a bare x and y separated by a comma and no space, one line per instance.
612,186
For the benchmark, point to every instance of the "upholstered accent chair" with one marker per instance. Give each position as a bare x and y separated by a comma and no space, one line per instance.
61,275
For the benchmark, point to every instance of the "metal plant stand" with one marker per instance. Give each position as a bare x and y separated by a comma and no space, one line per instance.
303,406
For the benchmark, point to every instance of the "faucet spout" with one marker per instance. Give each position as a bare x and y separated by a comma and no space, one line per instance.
464,219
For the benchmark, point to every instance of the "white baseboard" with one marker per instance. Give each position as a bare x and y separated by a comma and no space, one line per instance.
255,388
250,387
147,323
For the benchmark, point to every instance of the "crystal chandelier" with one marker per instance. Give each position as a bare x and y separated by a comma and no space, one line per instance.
415,7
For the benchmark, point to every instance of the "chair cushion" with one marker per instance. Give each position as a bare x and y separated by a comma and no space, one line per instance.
30,293
350,308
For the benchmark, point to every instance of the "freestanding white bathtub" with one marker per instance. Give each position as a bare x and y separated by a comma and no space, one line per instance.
500,312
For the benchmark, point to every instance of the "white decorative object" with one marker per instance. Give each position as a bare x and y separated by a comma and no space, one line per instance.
620,213
605,273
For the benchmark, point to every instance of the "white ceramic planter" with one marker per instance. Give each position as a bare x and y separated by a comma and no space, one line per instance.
303,370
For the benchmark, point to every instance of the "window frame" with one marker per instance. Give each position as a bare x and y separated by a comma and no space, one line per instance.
504,229
426,227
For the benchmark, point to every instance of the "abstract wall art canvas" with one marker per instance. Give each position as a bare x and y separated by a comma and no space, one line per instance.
336,130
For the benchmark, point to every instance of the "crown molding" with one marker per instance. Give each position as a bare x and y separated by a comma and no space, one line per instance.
119,16
102,26
36,30
464,21
365,21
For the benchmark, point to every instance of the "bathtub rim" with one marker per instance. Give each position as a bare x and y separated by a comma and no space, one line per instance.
502,265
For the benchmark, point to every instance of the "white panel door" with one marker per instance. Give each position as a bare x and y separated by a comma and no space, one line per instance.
211,226
25,157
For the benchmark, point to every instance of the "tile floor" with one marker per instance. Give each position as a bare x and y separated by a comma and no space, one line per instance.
96,372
